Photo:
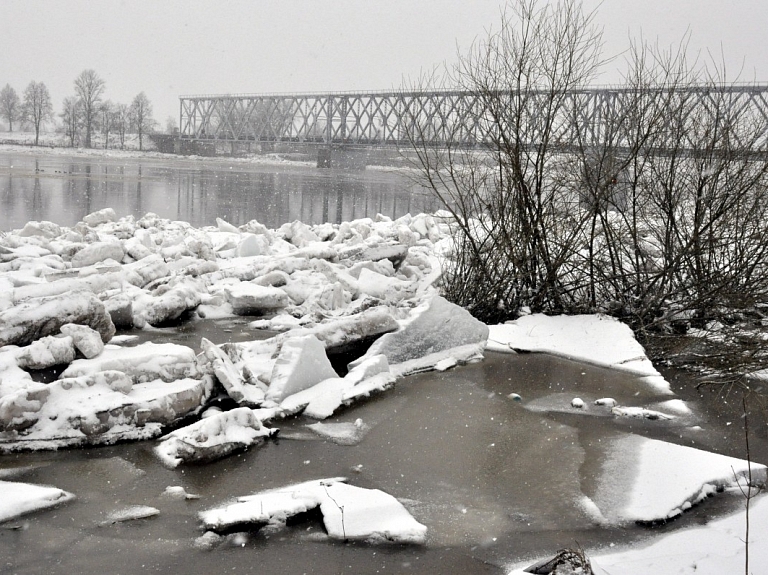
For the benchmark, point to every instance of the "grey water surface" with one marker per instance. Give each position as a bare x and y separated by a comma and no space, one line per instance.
63,189
494,481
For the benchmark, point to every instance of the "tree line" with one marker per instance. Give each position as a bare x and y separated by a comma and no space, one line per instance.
83,114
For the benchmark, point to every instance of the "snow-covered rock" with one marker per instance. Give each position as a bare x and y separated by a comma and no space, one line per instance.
212,438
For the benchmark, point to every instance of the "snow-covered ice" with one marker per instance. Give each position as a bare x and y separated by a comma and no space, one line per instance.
21,498
595,339
349,512
716,548
131,513
212,438
648,480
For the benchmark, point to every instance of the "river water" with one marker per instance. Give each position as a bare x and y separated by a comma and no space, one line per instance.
63,189
494,480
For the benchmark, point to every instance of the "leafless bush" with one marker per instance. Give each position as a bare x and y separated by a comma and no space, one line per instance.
647,202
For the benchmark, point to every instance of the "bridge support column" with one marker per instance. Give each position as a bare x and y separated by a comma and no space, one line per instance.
343,158
324,157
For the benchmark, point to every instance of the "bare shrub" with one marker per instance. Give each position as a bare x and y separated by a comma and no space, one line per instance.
646,201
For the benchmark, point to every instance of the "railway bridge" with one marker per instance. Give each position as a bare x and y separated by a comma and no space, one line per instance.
353,120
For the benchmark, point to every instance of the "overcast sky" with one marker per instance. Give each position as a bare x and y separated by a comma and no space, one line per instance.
171,47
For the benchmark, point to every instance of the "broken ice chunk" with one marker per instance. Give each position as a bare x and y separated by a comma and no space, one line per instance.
144,362
230,377
647,480
438,326
249,298
342,433
21,498
130,514
349,512
86,340
301,364
212,438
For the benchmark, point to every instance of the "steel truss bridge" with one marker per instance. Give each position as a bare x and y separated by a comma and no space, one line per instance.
396,118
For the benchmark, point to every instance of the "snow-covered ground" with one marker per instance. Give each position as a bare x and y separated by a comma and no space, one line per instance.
55,144
323,289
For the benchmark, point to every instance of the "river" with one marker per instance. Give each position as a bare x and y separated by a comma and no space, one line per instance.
495,482
62,189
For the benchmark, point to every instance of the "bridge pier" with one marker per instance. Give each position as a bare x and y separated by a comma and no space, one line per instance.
343,158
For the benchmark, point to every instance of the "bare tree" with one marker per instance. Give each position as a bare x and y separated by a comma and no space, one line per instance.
121,119
37,106
106,120
89,87
171,125
507,207
71,117
647,202
141,116
10,106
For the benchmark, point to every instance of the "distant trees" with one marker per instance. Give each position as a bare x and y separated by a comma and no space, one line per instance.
106,120
84,115
141,116
171,127
10,106
71,118
38,108
121,118
89,87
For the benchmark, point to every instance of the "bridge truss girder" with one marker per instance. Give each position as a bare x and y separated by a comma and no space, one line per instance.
584,117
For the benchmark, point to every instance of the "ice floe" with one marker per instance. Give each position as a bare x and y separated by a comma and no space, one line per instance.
595,339
647,480
131,513
212,438
349,512
21,498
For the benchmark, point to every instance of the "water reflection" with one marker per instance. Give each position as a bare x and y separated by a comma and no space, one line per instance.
63,190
